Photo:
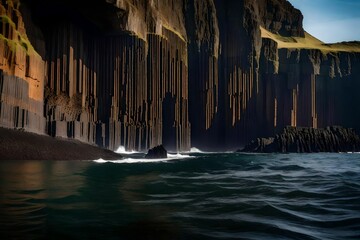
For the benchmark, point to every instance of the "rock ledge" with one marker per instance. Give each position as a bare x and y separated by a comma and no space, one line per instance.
307,140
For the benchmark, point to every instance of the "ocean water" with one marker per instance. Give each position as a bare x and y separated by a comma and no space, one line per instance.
192,196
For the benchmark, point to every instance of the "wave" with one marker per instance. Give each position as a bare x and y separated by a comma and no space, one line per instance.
132,160
146,160
177,156
122,150
292,167
196,150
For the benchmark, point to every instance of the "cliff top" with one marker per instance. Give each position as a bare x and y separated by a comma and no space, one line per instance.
309,42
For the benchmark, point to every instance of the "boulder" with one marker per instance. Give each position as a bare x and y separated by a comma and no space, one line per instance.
156,152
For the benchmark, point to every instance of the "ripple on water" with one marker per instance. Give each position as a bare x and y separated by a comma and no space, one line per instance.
207,196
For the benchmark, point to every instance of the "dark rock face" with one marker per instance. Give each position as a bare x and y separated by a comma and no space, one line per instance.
308,140
174,72
157,152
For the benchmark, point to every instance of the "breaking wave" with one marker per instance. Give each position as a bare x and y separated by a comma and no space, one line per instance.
146,160
122,150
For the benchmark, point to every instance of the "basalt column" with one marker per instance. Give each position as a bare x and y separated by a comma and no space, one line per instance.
168,91
71,87
238,72
288,82
336,97
21,74
148,100
307,88
122,92
114,90
96,90
203,49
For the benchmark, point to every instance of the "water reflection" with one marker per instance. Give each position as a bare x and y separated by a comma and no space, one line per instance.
26,191
80,199
118,194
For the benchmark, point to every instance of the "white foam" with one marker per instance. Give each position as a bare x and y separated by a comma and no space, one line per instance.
122,150
195,150
141,160
177,156
100,161
145,160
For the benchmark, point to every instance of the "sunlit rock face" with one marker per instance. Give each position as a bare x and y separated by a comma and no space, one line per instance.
22,74
136,73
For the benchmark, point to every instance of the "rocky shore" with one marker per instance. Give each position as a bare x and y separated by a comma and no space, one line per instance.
20,145
307,140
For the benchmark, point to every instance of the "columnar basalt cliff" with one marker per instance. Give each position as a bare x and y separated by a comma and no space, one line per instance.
207,73
116,73
22,74
309,83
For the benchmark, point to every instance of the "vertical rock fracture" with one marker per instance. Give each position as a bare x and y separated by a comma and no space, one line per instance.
179,73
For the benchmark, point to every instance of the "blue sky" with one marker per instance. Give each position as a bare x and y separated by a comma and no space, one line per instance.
331,20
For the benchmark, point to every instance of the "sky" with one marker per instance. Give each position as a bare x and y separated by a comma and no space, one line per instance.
331,20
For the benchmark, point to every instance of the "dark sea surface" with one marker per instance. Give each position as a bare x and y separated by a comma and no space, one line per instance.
199,196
